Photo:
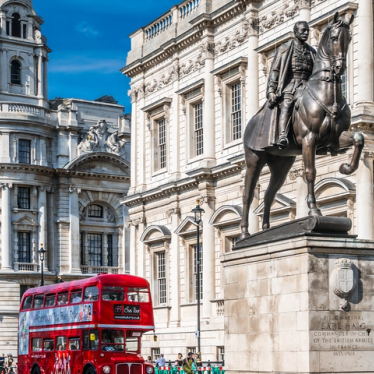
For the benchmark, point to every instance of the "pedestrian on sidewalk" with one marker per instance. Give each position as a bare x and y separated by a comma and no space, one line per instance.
160,362
179,360
187,363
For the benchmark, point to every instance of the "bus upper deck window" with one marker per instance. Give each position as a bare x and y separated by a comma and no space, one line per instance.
76,296
139,295
50,300
38,301
91,293
27,303
62,298
61,343
113,294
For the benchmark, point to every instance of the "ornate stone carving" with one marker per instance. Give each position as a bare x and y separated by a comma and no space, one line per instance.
242,72
343,281
99,139
172,211
279,15
4,186
265,64
219,85
296,173
167,113
240,36
184,105
135,222
72,189
206,199
110,216
82,214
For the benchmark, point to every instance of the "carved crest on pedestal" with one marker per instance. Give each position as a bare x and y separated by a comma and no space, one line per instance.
343,281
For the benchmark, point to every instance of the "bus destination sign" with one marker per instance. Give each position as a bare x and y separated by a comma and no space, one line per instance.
127,312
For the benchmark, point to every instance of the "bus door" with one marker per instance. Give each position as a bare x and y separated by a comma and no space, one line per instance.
90,346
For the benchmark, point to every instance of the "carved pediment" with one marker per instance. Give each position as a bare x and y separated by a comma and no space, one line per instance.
100,163
187,227
226,215
25,221
331,188
155,234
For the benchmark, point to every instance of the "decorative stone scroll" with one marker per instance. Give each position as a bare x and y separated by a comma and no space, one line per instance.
343,281
99,139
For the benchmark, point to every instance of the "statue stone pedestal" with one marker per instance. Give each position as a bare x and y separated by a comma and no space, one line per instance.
301,304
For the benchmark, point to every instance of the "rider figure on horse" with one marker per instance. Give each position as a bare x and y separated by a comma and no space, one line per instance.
291,68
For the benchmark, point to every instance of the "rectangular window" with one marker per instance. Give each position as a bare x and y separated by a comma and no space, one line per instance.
91,293
7,27
23,199
36,344
61,343
191,349
27,302
198,128
74,344
62,298
155,353
48,344
23,288
95,211
76,297
38,301
161,277
24,151
50,300
138,295
95,247
195,267
221,354
24,247
161,126
110,250
86,340
24,32
236,111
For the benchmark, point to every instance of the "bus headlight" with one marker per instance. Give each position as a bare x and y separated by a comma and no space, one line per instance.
149,370
106,369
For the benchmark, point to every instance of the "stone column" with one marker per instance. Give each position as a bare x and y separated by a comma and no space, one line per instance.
45,78
4,71
364,32
51,229
133,249
140,165
5,154
6,242
141,249
104,258
252,96
3,24
40,75
174,127
43,238
305,10
74,246
174,259
208,242
134,129
30,35
209,107
364,198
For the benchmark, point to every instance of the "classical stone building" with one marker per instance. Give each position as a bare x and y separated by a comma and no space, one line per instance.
64,165
198,74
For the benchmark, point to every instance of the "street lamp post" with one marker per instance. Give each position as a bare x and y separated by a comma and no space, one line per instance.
42,252
198,211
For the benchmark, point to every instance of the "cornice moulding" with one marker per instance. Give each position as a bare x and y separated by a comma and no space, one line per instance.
230,65
156,104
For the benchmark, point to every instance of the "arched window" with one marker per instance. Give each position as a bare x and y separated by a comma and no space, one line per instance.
95,211
16,25
15,72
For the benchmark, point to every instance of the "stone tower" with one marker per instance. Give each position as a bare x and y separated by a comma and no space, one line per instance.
24,54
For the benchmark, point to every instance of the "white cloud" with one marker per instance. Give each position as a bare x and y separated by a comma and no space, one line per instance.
86,29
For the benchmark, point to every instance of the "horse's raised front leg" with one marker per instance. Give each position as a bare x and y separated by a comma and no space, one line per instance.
255,162
309,157
347,139
279,168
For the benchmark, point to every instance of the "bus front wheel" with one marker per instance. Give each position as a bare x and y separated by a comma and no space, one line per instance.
89,370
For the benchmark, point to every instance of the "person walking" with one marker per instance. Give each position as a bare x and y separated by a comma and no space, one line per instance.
160,362
179,360
187,363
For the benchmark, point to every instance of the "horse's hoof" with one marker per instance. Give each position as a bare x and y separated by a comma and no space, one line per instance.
315,212
345,169
266,226
244,235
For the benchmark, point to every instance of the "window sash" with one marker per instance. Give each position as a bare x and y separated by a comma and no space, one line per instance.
95,211
161,277
110,250
236,111
24,247
161,125
198,128
24,151
195,270
23,198
95,249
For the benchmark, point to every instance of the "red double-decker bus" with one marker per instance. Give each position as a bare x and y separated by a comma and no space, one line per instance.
91,326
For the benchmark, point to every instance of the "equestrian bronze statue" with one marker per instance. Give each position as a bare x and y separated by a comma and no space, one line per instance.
305,114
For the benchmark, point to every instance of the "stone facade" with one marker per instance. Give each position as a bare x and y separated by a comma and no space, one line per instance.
64,168
198,73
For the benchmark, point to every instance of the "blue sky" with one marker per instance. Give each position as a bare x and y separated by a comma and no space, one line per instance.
89,42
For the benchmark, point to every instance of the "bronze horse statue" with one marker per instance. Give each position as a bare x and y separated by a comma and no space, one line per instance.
319,125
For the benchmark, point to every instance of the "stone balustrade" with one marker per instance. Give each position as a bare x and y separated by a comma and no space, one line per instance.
159,26
26,267
8,107
99,270
187,8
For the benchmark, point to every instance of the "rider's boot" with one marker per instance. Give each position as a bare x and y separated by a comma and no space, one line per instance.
282,142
